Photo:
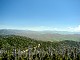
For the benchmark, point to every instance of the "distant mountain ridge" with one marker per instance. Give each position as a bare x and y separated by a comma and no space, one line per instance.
43,35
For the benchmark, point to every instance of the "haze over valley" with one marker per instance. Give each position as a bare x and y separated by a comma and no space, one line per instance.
44,35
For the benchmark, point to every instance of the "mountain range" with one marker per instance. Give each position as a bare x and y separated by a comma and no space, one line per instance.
43,35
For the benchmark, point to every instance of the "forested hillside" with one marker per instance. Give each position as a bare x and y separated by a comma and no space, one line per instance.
13,47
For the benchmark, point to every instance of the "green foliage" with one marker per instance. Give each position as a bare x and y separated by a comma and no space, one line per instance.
24,48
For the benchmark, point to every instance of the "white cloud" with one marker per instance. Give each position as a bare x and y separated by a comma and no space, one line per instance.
74,29
40,28
43,28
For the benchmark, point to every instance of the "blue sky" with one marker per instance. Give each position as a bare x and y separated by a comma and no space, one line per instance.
40,14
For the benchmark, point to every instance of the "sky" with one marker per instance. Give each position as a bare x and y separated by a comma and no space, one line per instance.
39,15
